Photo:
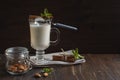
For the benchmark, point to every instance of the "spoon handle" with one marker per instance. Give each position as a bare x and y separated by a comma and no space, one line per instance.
64,26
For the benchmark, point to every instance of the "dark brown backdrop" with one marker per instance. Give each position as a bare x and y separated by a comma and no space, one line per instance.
97,20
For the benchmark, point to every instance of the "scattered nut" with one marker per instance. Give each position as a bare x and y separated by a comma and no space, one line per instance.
18,68
21,67
45,74
12,68
37,75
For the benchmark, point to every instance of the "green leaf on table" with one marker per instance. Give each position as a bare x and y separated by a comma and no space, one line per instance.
47,70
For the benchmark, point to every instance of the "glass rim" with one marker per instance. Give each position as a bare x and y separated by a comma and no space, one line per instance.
16,49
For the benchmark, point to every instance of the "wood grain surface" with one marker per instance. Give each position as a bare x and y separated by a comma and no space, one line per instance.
96,67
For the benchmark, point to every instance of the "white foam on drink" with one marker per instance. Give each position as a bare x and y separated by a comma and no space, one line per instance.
39,19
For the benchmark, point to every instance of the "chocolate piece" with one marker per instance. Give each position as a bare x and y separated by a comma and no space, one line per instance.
33,16
66,58
69,58
58,57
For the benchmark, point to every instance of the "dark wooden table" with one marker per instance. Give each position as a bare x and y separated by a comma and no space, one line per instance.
96,67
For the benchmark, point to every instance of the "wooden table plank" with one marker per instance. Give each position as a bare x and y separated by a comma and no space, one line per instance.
96,67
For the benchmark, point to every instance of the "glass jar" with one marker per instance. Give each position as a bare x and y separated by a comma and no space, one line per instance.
17,60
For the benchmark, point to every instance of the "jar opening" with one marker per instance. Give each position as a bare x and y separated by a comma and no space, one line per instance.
16,49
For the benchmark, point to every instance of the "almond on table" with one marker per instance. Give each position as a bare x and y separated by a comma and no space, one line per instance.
37,75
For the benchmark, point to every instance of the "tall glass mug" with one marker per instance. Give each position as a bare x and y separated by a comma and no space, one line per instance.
40,30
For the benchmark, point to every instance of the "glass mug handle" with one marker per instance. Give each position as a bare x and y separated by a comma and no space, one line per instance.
56,30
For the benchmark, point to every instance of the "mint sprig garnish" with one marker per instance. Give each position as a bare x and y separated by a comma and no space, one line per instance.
76,54
46,14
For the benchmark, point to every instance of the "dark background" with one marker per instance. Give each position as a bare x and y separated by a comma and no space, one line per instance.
97,20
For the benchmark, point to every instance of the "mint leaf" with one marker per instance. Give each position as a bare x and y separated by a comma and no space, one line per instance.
47,70
46,14
76,54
